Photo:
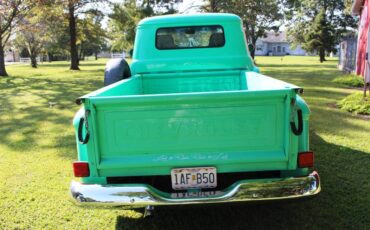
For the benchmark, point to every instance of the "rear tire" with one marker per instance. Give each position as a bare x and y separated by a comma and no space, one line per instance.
116,70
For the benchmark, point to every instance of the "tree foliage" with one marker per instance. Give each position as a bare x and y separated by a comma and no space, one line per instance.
74,8
126,16
32,33
91,37
310,21
320,37
72,28
123,21
216,6
10,13
258,16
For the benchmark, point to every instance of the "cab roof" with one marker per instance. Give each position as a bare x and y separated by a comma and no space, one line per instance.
190,18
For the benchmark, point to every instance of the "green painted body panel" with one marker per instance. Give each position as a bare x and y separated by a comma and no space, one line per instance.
190,108
233,55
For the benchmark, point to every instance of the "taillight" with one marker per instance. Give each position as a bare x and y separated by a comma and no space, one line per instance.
305,159
81,169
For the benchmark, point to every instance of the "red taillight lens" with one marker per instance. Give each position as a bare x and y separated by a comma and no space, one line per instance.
81,169
305,159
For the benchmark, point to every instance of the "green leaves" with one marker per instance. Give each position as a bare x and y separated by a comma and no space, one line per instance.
318,24
126,16
123,22
258,16
355,103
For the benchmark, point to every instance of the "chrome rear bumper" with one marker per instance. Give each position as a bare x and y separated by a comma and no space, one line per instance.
141,195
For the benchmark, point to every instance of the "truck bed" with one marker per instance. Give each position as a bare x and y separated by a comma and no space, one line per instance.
235,120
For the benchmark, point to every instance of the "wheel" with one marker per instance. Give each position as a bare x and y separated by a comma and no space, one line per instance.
116,70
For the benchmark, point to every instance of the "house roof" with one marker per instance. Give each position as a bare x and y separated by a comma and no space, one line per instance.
275,37
357,7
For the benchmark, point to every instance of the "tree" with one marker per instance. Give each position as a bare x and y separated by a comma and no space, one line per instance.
72,7
126,16
91,35
10,11
258,16
216,6
31,33
159,7
75,8
56,44
123,21
320,37
307,17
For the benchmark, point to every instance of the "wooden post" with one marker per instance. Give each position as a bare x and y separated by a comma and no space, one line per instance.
367,65
367,75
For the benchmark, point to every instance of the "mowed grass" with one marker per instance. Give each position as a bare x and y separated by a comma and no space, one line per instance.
37,147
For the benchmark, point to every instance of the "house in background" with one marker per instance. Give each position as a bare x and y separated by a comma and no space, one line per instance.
362,8
276,44
347,53
11,56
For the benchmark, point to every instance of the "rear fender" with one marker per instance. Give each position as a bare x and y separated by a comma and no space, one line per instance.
82,151
303,139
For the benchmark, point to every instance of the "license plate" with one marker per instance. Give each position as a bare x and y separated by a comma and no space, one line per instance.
188,178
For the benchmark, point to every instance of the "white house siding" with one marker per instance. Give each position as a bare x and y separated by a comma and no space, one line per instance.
261,48
276,44
11,56
298,51
277,49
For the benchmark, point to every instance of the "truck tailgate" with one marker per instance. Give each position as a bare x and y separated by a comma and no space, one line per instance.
233,131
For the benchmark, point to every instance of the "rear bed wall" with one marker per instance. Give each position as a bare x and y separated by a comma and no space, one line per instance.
190,82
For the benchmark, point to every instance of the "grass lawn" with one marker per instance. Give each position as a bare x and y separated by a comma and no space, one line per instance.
37,147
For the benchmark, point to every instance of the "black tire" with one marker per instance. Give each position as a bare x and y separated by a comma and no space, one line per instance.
116,70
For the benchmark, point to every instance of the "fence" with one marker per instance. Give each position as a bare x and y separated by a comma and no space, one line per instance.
118,55
28,60
347,54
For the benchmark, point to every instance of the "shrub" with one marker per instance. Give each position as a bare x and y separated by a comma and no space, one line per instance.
355,103
350,80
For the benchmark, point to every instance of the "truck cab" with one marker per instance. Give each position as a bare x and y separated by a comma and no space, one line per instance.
194,123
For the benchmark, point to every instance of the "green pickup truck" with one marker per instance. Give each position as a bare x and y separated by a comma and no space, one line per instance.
191,120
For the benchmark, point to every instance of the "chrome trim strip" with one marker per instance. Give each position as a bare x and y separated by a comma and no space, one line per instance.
141,195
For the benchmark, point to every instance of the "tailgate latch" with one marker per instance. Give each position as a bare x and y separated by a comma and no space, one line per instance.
297,131
83,120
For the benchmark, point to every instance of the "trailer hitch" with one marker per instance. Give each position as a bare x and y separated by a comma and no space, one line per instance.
148,211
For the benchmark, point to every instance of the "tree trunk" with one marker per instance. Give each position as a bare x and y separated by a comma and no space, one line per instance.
96,56
2,60
50,57
322,55
33,57
81,55
252,49
73,35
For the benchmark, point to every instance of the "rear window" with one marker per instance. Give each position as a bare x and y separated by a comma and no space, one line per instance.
190,37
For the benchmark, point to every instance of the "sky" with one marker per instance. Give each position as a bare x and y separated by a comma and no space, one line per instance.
189,6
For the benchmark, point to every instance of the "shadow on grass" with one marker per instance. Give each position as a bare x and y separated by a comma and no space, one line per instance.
36,112
344,172
283,65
